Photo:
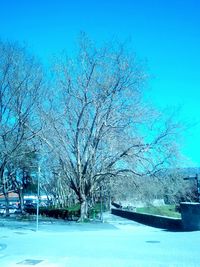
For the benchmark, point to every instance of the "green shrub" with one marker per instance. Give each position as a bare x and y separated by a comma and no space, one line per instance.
94,211
57,213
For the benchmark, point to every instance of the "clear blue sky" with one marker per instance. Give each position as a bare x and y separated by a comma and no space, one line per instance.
166,33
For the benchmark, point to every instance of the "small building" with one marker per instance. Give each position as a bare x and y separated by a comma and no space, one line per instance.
13,198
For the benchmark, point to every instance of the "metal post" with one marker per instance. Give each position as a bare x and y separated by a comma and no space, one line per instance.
101,196
198,187
38,195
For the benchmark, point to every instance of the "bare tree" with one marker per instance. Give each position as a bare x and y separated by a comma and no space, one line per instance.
175,189
99,124
53,182
20,85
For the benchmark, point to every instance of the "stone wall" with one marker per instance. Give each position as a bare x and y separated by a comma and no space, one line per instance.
190,213
150,220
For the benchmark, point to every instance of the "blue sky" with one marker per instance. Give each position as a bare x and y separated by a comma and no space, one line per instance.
165,33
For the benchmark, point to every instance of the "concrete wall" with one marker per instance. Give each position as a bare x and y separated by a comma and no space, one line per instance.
190,213
150,220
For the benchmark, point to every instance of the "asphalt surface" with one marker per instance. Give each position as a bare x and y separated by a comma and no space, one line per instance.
115,243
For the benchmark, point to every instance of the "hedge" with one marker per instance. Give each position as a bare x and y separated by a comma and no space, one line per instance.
64,214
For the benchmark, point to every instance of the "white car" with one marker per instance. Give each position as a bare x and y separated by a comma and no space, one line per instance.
12,209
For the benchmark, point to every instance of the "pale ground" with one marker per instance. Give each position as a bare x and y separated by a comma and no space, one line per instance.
115,243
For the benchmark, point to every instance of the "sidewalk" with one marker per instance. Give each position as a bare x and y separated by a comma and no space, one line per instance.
116,243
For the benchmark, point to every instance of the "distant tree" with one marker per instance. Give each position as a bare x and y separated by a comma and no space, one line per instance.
24,170
20,85
53,182
175,189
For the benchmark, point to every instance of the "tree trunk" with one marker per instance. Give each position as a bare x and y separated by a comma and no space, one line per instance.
84,209
21,200
6,203
5,187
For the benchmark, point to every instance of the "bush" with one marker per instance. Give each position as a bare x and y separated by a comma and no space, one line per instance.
96,209
64,214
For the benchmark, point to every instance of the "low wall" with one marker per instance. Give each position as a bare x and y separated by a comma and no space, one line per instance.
190,213
150,220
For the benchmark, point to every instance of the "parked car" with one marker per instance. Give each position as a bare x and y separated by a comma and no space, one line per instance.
12,209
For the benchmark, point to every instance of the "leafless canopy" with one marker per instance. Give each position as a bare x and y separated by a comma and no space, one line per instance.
20,84
96,123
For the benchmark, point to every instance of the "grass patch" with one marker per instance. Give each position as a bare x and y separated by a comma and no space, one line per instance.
167,210
75,207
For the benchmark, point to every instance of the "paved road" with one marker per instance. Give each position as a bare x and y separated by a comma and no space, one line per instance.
115,243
